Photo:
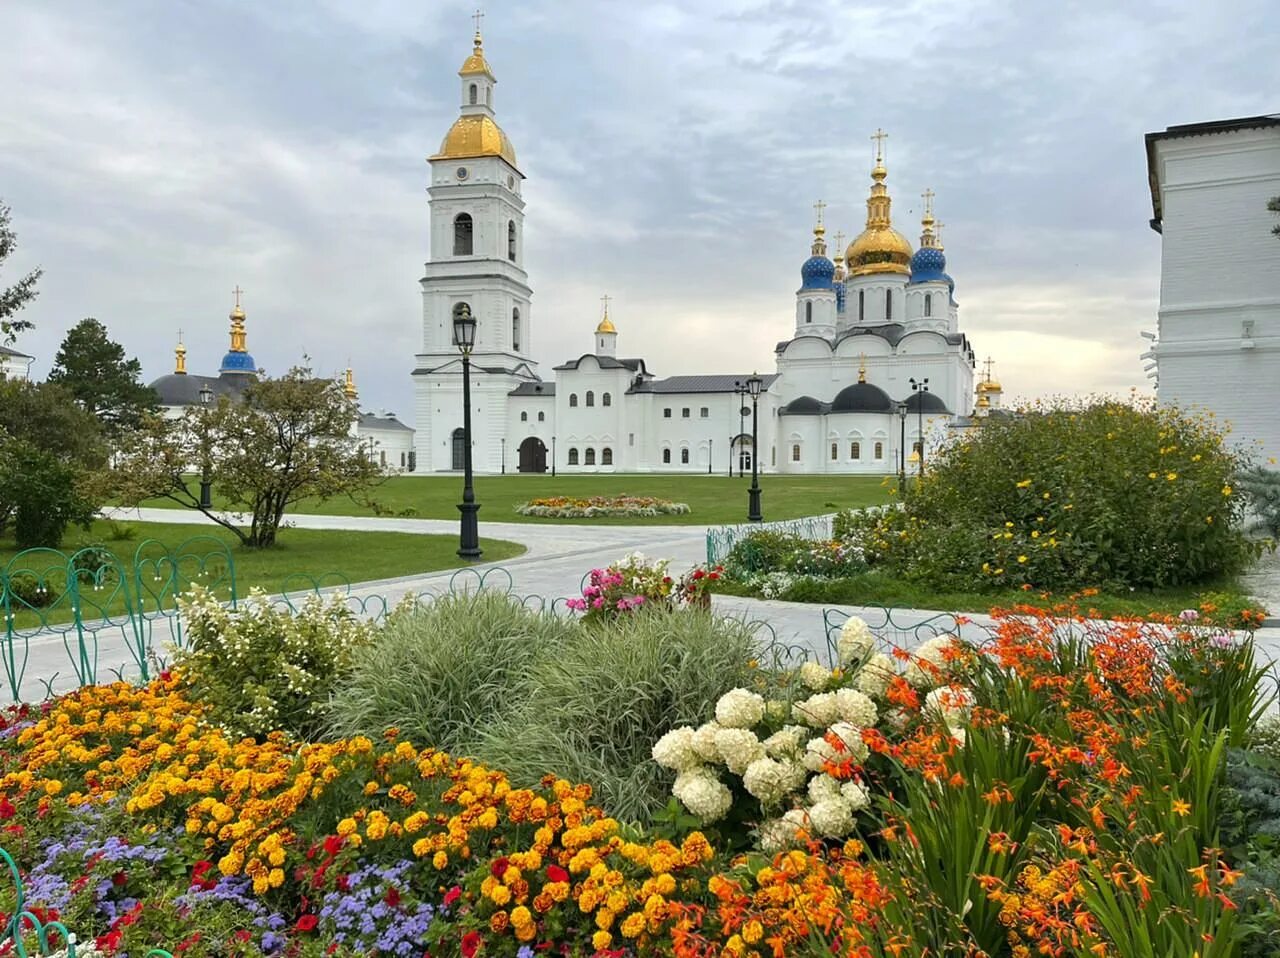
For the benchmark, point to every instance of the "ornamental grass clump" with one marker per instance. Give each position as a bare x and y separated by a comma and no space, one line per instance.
260,669
443,672
1069,495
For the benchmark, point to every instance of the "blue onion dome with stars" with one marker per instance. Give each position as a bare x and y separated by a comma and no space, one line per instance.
929,264
234,362
817,273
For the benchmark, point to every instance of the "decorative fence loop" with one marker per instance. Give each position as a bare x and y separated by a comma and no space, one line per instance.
722,539
880,620
22,917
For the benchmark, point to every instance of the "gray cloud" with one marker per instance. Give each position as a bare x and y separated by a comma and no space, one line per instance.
157,154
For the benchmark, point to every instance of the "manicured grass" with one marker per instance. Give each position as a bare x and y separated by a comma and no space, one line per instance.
301,558
879,588
713,500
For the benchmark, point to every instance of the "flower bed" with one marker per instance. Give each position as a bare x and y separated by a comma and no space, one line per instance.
1056,788
598,507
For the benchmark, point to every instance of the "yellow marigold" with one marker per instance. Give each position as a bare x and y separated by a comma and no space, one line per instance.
632,925
438,861
521,916
601,940
346,826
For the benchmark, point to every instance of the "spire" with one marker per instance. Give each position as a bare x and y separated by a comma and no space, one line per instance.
878,202
349,385
928,238
476,63
862,367
237,324
180,357
839,257
819,231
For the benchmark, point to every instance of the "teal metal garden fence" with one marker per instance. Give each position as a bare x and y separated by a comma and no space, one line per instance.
722,539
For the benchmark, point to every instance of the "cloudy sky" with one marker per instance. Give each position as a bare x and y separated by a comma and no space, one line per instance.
156,154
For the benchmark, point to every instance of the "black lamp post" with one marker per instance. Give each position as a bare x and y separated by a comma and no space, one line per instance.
920,388
503,446
711,454
553,457
902,445
754,383
464,337
741,390
206,484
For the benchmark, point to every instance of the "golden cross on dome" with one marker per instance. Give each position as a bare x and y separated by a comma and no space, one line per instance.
879,136
179,335
477,17
237,292
839,243
862,367
605,300
986,369
818,207
928,196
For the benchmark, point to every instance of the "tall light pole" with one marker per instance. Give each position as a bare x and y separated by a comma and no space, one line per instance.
902,445
464,337
920,388
711,454
503,442
741,390
206,483
553,457
754,383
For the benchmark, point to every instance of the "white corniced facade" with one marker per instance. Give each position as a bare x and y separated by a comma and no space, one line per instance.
13,364
1218,345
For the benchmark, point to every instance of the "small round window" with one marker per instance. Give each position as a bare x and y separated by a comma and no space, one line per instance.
511,182
463,172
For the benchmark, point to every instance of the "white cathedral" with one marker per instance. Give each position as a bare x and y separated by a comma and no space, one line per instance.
872,327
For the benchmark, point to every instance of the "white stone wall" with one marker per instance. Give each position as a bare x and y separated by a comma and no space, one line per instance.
1219,319
389,448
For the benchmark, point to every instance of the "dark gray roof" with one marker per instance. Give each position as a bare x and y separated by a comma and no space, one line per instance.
700,384
6,351
534,389
926,402
183,389
372,421
1194,129
862,397
606,362
804,406
890,332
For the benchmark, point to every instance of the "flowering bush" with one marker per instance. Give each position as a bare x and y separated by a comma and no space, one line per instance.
629,584
260,668
594,507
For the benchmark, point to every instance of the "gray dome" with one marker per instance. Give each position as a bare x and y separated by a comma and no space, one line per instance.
183,389
862,397
926,402
801,406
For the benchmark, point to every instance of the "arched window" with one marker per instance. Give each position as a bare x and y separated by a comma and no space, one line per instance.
855,450
542,417
879,450
862,304
402,460
666,457
458,449
591,457
888,304
606,400
524,417
591,398
606,456
808,312
462,234
511,240
835,451
573,455
573,399
684,457
795,452
928,304
488,96
515,328
915,447
474,95
382,458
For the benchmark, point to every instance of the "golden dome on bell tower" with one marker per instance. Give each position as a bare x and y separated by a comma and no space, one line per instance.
476,133
879,248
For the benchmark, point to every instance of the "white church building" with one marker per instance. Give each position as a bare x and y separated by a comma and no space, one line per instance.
873,362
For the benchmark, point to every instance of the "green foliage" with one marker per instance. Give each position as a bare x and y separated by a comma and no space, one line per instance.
44,494
26,590
260,668
1069,495
1262,488
104,383
14,297
762,551
121,532
286,440
441,672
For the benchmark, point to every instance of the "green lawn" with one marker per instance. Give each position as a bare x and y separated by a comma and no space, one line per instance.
301,557
714,500
879,588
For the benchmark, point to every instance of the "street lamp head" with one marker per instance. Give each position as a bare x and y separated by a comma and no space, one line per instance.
464,329
754,383
206,395
902,410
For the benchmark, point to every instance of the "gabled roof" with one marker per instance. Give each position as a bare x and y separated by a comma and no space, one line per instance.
534,389
370,420
6,351
1194,129
700,384
606,362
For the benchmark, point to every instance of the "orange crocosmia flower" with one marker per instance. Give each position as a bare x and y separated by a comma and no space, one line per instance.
1182,808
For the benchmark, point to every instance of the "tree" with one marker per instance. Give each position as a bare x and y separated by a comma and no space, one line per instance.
105,384
20,293
285,440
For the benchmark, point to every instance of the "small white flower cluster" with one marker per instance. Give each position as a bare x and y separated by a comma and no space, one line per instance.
929,661
856,641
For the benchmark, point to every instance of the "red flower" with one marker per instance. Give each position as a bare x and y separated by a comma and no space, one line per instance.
332,845
243,934
393,898
556,873
470,944
119,878
499,867
7,810
306,923
452,895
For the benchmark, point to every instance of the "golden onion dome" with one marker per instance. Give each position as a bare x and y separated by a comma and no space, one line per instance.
476,135
476,63
880,249
606,325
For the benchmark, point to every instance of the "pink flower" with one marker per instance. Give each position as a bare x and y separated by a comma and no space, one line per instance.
1188,615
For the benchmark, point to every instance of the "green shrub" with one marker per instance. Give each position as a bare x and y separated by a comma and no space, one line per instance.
593,710
25,590
1069,495
440,673
260,668
762,551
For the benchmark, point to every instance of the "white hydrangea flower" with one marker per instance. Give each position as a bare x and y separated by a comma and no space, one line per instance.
786,742
703,794
675,750
856,641
856,708
817,711
767,780
851,736
740,708
856,794
738,747
952,703
797,819
796,775
818,751
815,676
932,653
831,818
703,742
823,787
777,835
874,677
776,710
